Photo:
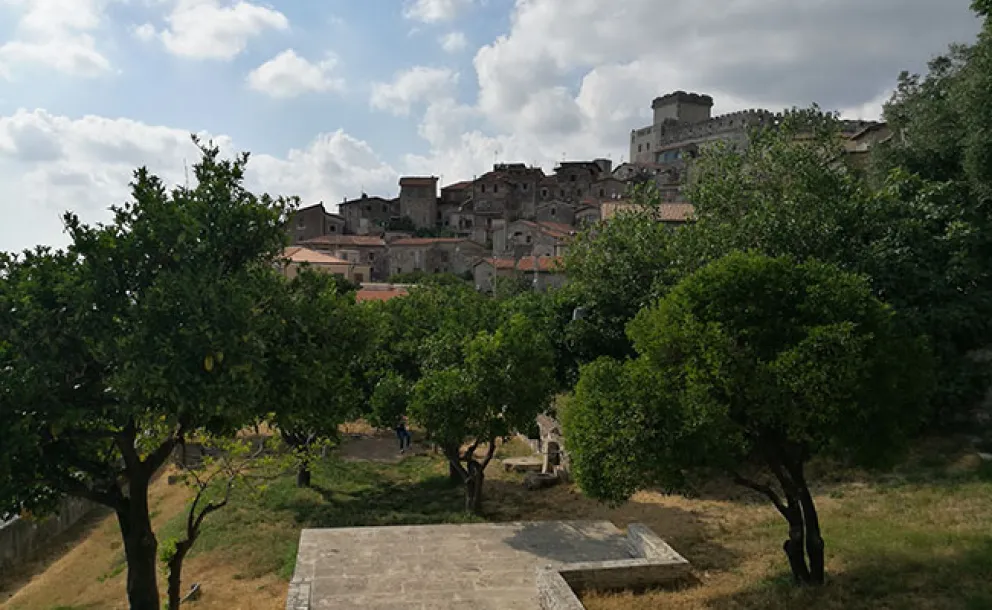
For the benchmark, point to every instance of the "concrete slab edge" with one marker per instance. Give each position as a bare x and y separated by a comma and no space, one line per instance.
653,563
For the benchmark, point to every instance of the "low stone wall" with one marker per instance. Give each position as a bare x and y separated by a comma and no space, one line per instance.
21,539
653,563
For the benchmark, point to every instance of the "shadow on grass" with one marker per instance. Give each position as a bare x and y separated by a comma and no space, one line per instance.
958,580
13,578
413,492
941,463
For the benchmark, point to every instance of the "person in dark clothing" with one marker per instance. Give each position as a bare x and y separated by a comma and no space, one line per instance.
403,434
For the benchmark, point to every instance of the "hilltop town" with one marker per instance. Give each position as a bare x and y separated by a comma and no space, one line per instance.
518,219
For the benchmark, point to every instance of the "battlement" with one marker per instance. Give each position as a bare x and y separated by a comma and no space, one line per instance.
684,98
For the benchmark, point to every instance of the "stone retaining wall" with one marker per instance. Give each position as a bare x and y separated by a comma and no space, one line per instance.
21,539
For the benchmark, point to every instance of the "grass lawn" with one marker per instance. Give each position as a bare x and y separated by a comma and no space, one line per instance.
918,538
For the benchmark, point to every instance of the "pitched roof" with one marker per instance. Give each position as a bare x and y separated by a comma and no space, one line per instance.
380,293
366,200
426,241
298,254
345,240
458,186
545,264
499,263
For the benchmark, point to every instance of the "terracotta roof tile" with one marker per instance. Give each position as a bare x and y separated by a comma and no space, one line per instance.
545,264
426,241
345,240
380,294
298,254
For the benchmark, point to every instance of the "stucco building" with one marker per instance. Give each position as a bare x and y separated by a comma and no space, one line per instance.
295,257
358,249
367,215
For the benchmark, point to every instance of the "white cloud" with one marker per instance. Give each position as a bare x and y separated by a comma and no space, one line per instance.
208,29
51,163
57,34
453,42
412,86
288,75
434,11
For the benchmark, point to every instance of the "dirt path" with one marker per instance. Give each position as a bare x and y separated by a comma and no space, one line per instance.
378,446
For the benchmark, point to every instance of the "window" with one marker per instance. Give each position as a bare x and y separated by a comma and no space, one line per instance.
524,186
300,222
553,211
385,208
639,147
528,239
437,270
572,177
602,192
483,187
544,192
371,257
495,188
334,229
359,278
561,192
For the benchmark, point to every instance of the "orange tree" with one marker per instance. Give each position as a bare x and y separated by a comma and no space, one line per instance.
144,331
751,360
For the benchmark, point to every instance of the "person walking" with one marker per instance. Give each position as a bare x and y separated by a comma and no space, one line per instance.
403,434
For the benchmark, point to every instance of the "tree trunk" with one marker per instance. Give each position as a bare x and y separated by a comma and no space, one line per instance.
176,573
140,548
814,541
303,476
453,475
473,487
793,547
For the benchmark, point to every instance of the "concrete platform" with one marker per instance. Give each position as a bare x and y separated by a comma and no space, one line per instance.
478,566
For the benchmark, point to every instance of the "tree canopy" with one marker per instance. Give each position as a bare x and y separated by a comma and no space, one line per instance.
480,389
751,359
144,331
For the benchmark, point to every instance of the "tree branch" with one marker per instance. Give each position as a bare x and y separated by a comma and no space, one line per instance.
762,489
489,453
112,499
470,452
157,457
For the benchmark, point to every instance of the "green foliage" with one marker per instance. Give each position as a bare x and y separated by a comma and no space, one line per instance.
920,242
145,331
491,385
389,401
747,358
422,277
615,268
404,223
159,333
315,338
507,287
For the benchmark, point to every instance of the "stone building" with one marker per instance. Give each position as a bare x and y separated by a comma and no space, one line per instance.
297,256
529,238
543,273
418,200
358,249
313,221
367,215
433,255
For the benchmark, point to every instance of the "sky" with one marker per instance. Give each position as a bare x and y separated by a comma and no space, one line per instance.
336,97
